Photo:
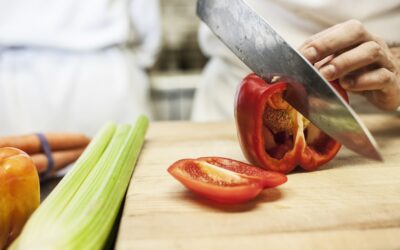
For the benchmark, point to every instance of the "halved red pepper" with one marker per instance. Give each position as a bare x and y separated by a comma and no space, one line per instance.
224,180
272,134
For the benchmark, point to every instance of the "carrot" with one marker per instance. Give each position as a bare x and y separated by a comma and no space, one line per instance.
61,159
57,141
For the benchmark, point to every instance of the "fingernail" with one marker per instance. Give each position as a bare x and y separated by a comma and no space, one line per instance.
311,54
328,71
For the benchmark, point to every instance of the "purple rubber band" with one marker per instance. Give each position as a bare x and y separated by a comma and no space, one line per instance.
47,151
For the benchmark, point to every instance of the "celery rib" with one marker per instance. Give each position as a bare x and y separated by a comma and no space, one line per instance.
84,217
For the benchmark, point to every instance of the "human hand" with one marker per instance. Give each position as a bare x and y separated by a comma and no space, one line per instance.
361,61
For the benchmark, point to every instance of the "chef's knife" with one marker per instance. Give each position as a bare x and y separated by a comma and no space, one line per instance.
266,53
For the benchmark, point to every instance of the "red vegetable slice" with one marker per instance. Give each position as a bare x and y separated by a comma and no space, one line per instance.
268,179
272,134
224,180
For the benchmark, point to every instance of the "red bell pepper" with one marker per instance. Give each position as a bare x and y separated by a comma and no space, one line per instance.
224,180
272,134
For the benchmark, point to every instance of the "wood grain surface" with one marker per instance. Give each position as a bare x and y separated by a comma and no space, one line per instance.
350,203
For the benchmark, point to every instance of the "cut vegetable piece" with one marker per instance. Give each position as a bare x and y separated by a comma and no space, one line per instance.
87,217
268,179
224,180
272,134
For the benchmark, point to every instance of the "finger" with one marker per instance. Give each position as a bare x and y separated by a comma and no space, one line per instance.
349,34
327,59
320,34
323,62
379,79
365,54
382,100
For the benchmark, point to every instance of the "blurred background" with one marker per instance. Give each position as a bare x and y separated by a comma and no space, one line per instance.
54,55
60,60
176,73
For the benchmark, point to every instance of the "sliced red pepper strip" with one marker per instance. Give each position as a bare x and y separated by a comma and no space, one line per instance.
272,134
268,179
224,180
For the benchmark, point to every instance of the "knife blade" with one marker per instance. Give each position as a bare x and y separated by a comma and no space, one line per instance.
265,52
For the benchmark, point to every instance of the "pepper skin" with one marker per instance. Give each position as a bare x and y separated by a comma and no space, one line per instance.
19,192
272,134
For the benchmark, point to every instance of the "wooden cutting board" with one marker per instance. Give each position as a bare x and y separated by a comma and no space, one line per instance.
350,203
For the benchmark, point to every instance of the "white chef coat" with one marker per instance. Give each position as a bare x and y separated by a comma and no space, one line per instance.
295,21
72,65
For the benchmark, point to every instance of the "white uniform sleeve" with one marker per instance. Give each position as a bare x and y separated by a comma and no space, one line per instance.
145,17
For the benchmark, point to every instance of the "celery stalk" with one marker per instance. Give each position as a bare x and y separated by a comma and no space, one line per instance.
59,198
86,219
